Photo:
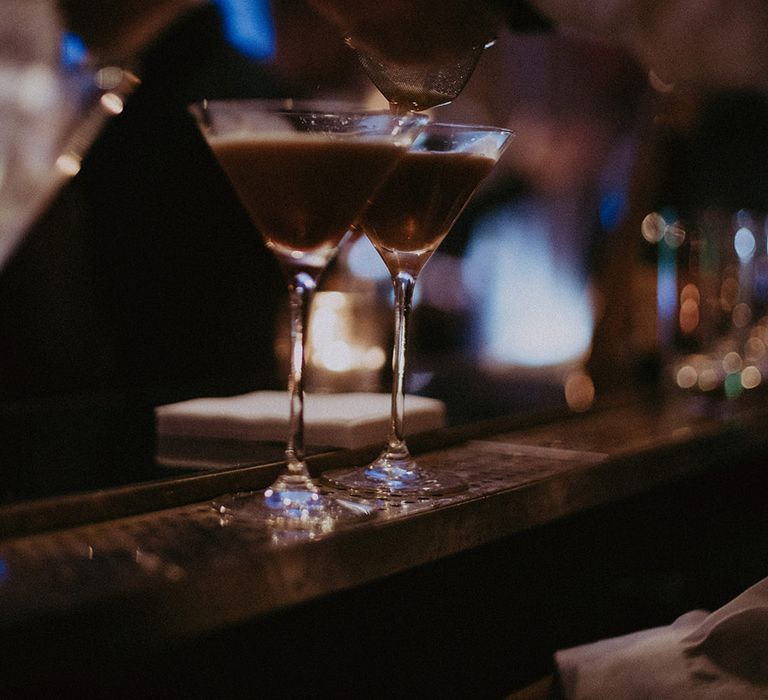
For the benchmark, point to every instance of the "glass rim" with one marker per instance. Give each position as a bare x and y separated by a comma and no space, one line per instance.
298,106
465,126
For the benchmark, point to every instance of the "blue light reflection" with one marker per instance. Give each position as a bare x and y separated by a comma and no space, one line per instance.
248,27
613,207
74,52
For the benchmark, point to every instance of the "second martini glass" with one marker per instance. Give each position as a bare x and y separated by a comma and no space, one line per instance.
304,173
406,222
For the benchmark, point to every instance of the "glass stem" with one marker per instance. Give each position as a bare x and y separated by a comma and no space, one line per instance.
403,284
301,288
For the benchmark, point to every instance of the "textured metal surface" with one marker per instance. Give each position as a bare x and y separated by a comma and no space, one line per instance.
177,572
85,565
159,543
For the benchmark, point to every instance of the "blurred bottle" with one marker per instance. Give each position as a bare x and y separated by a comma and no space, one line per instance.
707,239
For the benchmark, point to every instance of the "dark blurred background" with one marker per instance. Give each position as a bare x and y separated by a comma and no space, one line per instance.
144,283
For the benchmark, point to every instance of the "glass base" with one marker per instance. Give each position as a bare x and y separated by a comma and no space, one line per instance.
396,477
291,504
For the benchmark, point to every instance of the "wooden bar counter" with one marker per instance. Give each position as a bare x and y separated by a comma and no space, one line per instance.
574,528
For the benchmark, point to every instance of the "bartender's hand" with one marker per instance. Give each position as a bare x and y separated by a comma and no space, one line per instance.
714,43
413,31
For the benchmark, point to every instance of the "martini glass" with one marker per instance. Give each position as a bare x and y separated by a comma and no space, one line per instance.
304,173
406,222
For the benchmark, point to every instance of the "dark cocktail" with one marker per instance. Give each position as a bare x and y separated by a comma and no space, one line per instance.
408,218
305,175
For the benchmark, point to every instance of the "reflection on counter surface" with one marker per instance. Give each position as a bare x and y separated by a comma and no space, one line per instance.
142,283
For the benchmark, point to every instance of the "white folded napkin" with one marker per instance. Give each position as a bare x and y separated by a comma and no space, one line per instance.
717,656
350,421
